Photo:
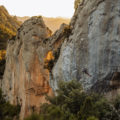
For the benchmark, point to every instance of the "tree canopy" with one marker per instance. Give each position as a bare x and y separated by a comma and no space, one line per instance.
73,103
8,111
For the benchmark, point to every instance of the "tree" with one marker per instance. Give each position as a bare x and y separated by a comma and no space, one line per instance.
92,118
2,62
73,103
8,111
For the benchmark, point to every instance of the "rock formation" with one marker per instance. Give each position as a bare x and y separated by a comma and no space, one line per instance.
52,23
25,80
91,53
87,50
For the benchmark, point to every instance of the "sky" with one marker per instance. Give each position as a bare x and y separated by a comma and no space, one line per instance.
47,8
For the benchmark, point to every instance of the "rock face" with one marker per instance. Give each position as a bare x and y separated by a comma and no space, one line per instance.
87,50
91,53
25,80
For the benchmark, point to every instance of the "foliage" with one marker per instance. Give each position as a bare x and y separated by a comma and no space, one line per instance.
49,64
8,111
72,103
8,26
49,61
2,62
34,116
92,118
2,54
116,104
2,67
67,31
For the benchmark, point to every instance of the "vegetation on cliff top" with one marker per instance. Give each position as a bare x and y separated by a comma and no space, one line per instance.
8,26
73,103
52,23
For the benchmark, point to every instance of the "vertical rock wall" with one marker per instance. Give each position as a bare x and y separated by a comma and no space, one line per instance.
25,80
91,54
87,50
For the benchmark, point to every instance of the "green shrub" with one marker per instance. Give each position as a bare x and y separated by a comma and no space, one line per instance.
8,111
117,103
92,118
73,103
34,116
2,62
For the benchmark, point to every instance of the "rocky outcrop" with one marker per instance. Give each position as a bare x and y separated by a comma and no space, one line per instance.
87,50
91,53
52,23
25,80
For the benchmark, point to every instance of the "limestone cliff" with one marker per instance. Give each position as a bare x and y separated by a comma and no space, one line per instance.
25,80
91,53
87,50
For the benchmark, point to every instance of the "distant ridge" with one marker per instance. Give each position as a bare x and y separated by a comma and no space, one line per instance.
52,23
9,25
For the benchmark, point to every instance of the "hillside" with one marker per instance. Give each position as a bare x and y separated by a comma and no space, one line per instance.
8,26
22,19
52,23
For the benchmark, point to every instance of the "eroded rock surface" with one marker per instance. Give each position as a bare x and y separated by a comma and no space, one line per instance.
87,50
25,80
91,53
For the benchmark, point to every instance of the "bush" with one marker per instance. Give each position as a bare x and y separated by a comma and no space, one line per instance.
73,103
92,118
49,61
51,58
8,111
117,103
2,62
34,116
